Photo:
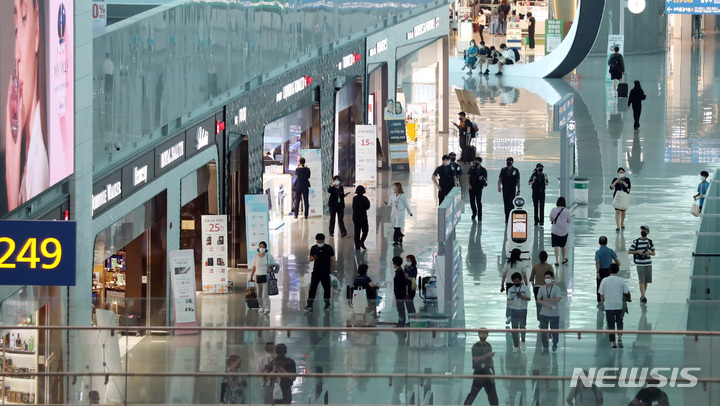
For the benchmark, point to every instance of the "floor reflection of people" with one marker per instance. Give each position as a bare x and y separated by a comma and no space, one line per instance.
476,258
514,365
400,367
634,156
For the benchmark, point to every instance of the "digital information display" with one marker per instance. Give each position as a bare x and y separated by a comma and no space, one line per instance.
519,226
37,253
692,6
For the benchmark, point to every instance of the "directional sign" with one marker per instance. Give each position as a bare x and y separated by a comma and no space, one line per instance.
692,6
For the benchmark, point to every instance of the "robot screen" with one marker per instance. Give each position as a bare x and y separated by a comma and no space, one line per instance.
519,226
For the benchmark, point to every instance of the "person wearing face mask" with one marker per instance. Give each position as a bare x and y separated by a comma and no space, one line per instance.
477,180
465,128
401,288
538,182
484,367
560,218
336,205
652,395
302,187
456,168
518,296
509,185
642,249
549,297
398,205
702,189
323,258
411,273
471,57
621,183
360,206
514,264
444,178
261,262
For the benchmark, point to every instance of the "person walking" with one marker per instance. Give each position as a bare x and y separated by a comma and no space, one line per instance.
477,180
444,178
232,387
262,261
560,218
302,187
635,101
509,185
604,256
484,367
620,183
398,205
482,22
518,296
642,249
549,296
284,365
616,64
336,205
360,206
401,288
612,292
514,264
265,365
702,189
539,182
531,30
537,277
323,258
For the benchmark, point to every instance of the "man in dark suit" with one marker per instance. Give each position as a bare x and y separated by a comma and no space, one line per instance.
302,187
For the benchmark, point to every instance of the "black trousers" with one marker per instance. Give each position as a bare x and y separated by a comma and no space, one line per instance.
636,115
360,227
604,273
315,280
614,318
340,213
304,194
442,193
508,197
403,304
539,206
531,35
487,383
481,28
476,201
397,235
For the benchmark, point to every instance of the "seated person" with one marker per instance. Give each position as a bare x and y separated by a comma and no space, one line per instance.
471,57
364,281
508,58
483,55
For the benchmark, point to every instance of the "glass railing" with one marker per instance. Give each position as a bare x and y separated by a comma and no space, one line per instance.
340,365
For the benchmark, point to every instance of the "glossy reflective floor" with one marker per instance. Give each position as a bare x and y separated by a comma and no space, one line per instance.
678,138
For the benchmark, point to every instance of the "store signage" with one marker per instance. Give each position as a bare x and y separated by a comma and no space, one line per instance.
37,253
170,154
366,156
241,116
423,28
214,254
257,220
692,6
219,127
138,173
202,137
182,277
380,46
107,192
449,214
563,112
349,60
293,88
553,34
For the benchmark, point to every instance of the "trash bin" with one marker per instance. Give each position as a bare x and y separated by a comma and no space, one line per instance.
441,337
419,339
581,190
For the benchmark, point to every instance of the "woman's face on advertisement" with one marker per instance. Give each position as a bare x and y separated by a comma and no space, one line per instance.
27,42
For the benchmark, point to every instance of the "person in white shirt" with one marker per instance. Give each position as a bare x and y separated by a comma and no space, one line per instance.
612,292
482,22
508,58
265,364
261,262
514,264
518,296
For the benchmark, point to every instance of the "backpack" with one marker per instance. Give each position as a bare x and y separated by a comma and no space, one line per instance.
517,54
473,128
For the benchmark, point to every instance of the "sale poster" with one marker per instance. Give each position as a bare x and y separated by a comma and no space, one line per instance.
99,15
214,254
313,160
366,156
257,218
182,277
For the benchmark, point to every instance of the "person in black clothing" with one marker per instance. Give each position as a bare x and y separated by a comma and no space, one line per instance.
482,361
456,168
652,395
538,182
360,206
616,62
635,99
444,178
336,205
465,128
617,184
477,180
401,288
284,365
509,185
531,30
364,281
302,187
323,258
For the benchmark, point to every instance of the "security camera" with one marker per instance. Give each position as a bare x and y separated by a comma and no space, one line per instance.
338,84
117,146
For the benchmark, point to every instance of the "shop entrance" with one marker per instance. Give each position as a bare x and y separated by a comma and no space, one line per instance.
238,187
377,97
129,272
348,113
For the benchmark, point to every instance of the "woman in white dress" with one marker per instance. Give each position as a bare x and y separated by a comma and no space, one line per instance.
399,205
261,262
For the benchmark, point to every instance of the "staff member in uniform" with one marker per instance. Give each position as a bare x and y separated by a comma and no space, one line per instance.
477,180
538,182
444,178
509,185
302,187
336,205
323,258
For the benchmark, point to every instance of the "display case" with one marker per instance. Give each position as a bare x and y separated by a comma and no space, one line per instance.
20,357
109,281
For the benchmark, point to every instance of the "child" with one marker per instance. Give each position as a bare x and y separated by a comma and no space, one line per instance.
702,189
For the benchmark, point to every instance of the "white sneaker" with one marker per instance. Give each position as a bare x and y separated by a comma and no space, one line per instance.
522,345
516,350
267,311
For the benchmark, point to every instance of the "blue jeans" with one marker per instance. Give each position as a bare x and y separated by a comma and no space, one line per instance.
502,25
554,323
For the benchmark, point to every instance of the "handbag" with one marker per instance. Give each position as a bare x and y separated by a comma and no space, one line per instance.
621,201
695,210
272,285
359,301
261,278
277,390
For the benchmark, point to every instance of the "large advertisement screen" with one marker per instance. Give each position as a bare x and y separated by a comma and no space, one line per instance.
36,97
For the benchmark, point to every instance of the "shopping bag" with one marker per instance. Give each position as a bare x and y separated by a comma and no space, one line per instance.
272,285
621,201
277,390
695,210
335,283
359,301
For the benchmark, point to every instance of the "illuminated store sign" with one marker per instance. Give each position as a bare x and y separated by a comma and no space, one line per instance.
202,138
138,173
106,192
172,154
219,127
241,116
380,46
293,88
348,61
421,29
37,253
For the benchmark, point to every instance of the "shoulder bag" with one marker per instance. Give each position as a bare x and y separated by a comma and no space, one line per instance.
621,201
277,390
272,284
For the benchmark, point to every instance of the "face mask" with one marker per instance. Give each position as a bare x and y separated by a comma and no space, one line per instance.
477,163
548,281
472,44
337,182
447,162
320,245
540,170
452,159
621,175
703,178
643,233
262,250
509,163
517,284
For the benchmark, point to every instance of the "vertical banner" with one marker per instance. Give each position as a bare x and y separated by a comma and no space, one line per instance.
553,34
214,254
366,156
514,34
313,160
614,40
399,160
182,277
257,219
99,15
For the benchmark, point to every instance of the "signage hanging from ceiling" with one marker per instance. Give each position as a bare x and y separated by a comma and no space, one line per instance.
692,6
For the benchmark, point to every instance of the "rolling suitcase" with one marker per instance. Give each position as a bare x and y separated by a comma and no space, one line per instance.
622,90
468,154
251,296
